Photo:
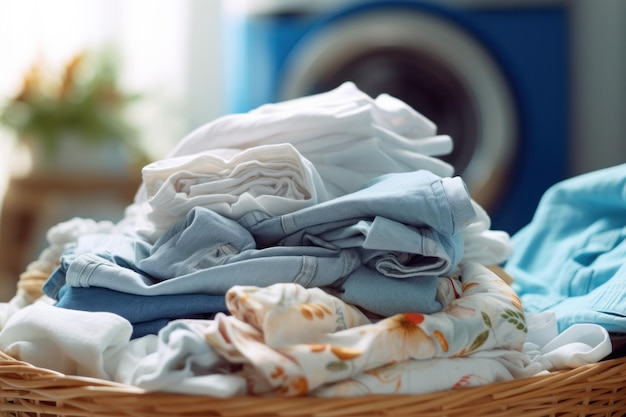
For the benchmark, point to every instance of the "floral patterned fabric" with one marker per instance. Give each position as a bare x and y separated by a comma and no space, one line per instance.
288,340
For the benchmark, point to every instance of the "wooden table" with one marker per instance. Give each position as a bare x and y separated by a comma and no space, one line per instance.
34,203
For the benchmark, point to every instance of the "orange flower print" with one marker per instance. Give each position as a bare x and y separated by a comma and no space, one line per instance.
341,352
299,386
407,323
317,348
279,371
516,302
416,318
441,338
407,338
311,310
294,387
345,353
469,285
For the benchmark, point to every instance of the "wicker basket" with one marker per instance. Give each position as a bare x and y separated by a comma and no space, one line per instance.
592,390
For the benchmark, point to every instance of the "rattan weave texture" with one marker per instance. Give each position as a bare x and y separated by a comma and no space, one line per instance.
590,391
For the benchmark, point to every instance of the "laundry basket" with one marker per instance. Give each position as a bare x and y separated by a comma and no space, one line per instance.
593,390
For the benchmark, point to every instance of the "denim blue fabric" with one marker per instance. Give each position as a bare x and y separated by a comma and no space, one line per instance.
206,253
392,248
570,258
92,269
418,198
388,296
147,314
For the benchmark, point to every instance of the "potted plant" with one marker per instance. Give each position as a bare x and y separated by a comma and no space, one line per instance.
81,109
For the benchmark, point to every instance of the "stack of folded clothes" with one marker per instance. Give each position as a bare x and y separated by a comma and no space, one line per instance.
317,246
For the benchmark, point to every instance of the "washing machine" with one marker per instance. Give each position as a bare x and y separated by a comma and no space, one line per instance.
493,75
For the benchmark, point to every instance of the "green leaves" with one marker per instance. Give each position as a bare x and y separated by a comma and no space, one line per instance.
516,318
337,366
479,341
83,100
486,319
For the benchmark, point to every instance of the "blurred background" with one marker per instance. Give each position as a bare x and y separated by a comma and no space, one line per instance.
531,91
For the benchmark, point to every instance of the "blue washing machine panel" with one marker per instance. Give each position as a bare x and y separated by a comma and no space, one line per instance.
530,44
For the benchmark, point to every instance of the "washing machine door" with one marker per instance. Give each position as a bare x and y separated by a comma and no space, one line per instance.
433,65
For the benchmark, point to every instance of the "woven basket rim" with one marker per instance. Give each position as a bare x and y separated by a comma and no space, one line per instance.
598,389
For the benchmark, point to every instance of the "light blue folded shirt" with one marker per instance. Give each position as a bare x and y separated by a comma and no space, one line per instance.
405,227
571,258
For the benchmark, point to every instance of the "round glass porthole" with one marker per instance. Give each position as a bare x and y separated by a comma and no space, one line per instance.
433,65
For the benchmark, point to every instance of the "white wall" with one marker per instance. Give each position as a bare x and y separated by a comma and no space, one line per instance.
169,48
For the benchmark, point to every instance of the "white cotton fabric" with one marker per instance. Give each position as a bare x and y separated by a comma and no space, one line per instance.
57,238
349,136
274,179
176,360
482,244
344,137
542,327
67,341
438,374
64,233
578,345
8,309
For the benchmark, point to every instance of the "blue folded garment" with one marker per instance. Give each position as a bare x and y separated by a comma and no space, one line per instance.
571,258
147,314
